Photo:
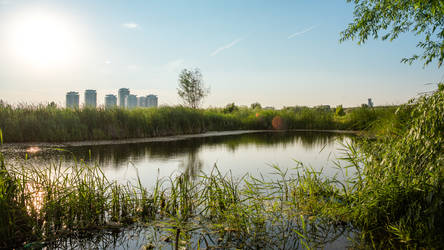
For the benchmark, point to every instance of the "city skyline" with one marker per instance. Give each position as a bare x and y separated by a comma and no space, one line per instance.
72,99
279,55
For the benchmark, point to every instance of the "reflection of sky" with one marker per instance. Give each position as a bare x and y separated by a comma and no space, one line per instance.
246,158
240,154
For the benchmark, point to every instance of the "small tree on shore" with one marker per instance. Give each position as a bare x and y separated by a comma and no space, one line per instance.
256,105
191,88
340,110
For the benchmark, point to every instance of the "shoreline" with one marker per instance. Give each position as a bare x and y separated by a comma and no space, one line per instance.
159,139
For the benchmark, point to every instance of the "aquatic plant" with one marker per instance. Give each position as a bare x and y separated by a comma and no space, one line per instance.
393,199
396,197
31,123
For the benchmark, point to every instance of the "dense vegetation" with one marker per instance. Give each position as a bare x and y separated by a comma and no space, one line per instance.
388,20
51,124
394,199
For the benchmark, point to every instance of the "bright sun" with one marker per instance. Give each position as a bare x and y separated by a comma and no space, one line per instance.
44,40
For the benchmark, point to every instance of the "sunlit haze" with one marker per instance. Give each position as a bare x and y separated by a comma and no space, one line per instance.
43,39
278,54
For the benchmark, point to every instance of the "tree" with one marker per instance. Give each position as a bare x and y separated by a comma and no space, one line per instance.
256,105
340,110
230,108
423,17
191,88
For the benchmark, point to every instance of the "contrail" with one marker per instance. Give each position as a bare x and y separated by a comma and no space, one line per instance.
301,32
218,50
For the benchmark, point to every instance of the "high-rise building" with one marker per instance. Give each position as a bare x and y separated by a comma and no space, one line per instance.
131,101
110,101
90,98
141,101
72,99
370,103
151,101
123,94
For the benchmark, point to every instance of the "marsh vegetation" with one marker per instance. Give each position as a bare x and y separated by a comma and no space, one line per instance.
48,123
393,199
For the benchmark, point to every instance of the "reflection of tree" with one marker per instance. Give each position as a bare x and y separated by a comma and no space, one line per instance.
192,164
121,155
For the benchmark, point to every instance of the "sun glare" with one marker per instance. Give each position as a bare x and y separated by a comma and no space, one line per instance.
43,39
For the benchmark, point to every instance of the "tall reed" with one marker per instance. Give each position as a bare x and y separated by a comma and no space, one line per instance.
40,123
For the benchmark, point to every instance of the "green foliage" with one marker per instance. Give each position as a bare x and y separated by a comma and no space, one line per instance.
44,204
191,88
51,124
422,17
340,111
395,198
40,206
256,105
230,108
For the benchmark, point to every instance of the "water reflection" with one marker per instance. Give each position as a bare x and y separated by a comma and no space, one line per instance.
238,153
118,155
192,164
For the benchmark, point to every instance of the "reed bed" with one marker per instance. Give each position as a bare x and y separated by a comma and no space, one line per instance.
396,197
393,199
48,123
42,207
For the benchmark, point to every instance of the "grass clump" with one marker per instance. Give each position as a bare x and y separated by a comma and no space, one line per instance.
44,204
48,123
396,197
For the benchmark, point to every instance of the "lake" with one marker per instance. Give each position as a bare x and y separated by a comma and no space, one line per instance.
251,153
241,154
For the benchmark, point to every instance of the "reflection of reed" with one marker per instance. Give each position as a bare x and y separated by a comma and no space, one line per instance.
130,238
121,155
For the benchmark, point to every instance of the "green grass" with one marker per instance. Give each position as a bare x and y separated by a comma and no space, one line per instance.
43,206
394,199
40,123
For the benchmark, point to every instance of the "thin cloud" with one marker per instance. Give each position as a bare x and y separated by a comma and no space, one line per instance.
131,25
301,32
227,46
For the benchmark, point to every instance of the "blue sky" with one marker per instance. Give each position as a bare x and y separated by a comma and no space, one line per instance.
278,53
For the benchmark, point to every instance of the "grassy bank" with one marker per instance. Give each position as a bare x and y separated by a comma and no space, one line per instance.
394,199
52,124
44,207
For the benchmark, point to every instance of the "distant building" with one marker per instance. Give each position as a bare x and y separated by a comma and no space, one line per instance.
90,98
131,101
370,102
151,101
110,101
123,94
141,101
72,99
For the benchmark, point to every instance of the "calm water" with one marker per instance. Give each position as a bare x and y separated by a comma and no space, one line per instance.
240,154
